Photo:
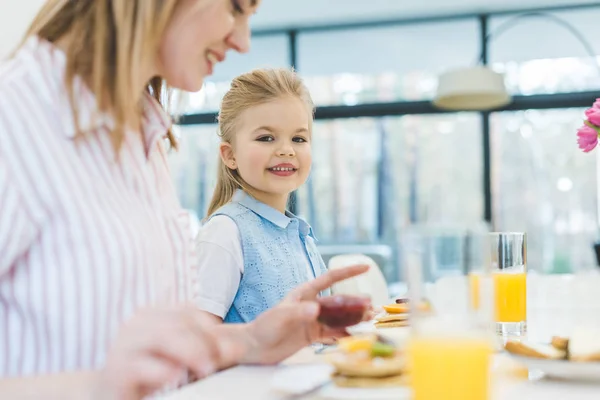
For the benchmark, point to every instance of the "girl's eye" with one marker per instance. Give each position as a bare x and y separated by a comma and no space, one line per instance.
299,139
265,139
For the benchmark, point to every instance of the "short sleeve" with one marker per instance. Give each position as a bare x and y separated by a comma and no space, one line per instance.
220,265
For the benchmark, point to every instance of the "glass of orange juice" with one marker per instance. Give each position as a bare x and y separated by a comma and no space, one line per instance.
451,344
508,259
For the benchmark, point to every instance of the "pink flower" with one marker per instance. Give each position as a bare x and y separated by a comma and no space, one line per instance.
587,138
593,114
596,104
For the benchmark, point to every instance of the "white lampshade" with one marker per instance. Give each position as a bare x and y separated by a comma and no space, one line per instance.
473,89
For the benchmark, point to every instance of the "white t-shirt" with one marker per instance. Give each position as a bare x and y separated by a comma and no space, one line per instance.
221,265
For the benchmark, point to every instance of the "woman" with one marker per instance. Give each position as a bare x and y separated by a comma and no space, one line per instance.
91,233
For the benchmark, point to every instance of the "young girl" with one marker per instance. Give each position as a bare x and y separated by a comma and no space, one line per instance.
252,251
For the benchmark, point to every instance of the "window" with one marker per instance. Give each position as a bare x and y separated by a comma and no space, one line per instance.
536,66
266,51
194,166
384,64
371,177
544,185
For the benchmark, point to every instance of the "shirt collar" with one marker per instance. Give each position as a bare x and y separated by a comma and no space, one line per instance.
155,120
270,214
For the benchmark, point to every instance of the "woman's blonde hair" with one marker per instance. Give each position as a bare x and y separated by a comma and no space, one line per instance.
109,43
248,90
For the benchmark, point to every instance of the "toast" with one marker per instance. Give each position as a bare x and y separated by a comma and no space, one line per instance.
560,343
363,382
392,324
536,350
584,345
392,318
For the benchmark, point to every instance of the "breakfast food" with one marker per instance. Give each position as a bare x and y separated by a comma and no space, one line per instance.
395,316
341,311
560,343
367,361
396,308
535,350
582,346
392,320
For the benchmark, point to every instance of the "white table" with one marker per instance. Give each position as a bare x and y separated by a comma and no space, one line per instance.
254,383
555,304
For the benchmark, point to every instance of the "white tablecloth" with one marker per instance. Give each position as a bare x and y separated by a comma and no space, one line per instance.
254,383
556,304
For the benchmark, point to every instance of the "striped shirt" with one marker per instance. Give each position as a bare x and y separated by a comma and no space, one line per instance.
86,239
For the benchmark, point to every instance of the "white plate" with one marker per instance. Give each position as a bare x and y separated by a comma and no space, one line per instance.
298,379
562,369
301,379
398,336
332,392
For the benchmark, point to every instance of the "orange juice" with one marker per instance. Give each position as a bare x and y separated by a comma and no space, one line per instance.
511,297
474,289
449,368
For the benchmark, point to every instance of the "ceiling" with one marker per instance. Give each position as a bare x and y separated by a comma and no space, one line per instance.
274,14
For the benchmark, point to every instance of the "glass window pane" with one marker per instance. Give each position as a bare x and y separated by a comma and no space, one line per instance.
194,166
544,185
373,177
266,51
558,63
384,64
411,169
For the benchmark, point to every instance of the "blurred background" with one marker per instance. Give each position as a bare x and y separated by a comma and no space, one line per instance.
385,159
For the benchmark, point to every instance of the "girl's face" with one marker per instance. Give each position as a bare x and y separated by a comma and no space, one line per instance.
272,149
199,35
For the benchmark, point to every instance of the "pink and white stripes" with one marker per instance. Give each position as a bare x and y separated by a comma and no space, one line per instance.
85,240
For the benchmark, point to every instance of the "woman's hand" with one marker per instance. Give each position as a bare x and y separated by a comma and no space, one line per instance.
159,347
283,330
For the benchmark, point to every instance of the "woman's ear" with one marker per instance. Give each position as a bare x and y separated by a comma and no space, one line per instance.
227,156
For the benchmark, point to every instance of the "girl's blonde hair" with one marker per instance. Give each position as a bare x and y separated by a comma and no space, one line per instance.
109,43
248,90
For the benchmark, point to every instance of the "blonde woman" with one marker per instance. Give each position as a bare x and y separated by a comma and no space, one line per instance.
91,233
252,251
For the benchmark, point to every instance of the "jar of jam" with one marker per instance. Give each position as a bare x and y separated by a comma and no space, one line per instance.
340,311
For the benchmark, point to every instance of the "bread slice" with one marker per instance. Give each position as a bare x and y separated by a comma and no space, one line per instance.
348,366
363,382
584,345
560,343
536,350
391,324
392,317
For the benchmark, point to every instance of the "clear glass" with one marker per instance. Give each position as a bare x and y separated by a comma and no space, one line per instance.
544,185
451,343
508,265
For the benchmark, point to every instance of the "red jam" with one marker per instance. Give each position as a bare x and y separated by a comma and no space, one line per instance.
340,311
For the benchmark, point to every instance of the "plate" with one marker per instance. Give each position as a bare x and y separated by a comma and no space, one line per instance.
398,336
562,369
299,379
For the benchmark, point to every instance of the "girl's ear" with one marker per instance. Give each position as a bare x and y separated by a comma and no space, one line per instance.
227,156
